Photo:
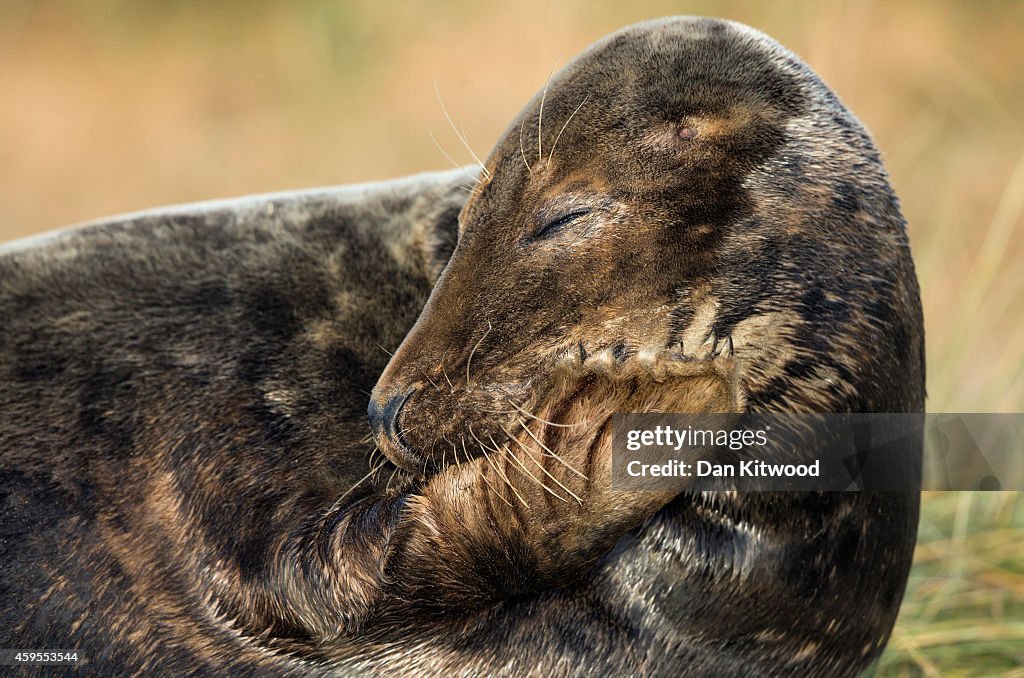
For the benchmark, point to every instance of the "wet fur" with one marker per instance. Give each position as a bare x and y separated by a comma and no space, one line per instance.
182,408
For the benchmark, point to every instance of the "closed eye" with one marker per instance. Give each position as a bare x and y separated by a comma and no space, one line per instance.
554,225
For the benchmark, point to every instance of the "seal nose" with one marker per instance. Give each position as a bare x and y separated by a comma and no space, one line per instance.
384,420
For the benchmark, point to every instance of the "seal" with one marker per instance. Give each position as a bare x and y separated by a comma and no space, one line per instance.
684,182
684,219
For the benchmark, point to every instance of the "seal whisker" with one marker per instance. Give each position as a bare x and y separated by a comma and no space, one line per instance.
455,451
534,416
551,153
483,475
387,487
549,451
525,470
548,474
444,373
540,115
492,447
376,468
432,382
492,488
468,189
403,432
373,453
363,480
497,468
456,130
451,386
470,359
478,183
533,477
522,151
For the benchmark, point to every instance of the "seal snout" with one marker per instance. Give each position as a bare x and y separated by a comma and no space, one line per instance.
387,432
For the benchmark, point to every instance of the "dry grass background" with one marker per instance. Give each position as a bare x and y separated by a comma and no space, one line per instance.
114,105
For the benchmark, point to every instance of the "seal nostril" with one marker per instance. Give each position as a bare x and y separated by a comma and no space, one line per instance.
384,420
391,411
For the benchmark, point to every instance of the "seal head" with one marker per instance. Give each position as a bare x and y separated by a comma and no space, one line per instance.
682,179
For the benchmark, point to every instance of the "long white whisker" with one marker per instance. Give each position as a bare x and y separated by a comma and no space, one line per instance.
534,416
470,360
557,481
497,467
445,154
541,466
432,382
540,115
482,443
455,450
559,135
387,488
483,475
444,373
444,453
522,151
537,480
363,480
548,450
456,130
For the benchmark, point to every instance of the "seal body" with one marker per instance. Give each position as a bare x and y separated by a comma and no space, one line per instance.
180,388
685,219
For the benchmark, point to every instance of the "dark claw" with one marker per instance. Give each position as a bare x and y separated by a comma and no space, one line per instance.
619,351
582,351
712,340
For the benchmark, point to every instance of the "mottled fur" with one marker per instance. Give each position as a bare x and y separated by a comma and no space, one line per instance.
182,400
685,180
184,483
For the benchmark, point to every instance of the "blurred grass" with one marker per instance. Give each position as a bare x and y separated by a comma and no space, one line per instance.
963,614
113,105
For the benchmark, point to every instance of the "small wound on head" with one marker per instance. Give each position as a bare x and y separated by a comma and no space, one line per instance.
686,133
